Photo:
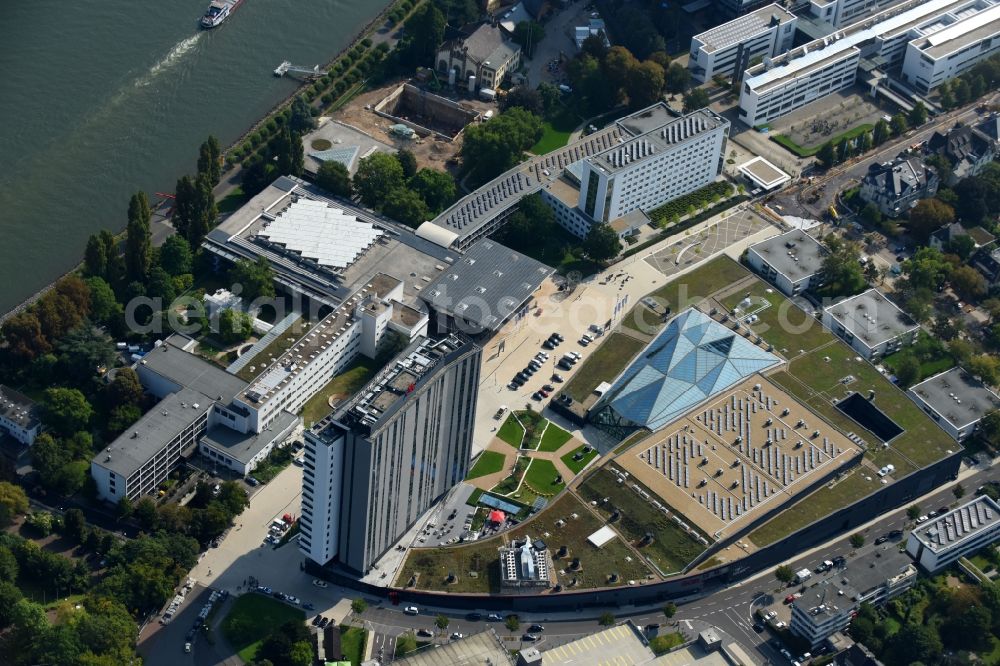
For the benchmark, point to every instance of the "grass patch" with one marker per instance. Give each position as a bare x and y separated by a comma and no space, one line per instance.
666,642
352,643
642,320
577,465
703,281
232,201
541,477
511,483
489,462
790,329
273,351
672,548
556,131
821,503
346,384
553,438
511,431
474,497
272,465
603,365
691,203
252,617
786,142
480,557
559,249
321,144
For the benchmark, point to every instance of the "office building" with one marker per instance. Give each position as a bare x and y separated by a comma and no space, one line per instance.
845,12
896,187
871,324
526,566
823,66
958,533
827,608
955,400
728,49
790,261
384,457
479,60
952,48
19,415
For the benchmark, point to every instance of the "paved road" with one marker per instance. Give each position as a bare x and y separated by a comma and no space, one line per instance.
793,201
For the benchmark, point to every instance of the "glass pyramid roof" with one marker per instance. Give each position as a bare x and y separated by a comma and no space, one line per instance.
693,358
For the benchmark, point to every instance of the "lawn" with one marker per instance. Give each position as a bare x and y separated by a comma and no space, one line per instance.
511,483
489,462
578,465
352,644
553,438
672,548
434,564
931,354
534,425
273,351
511,432
642,320
603,365
703,281
252,618
541,478
556,131
787,143
782,323
821,503
346,384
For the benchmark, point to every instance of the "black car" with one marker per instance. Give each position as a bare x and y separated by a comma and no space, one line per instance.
556,377
882,539
895,534
424,633
474,617
325,621
536,628
839,561
316,620
548,344
563,365
758,627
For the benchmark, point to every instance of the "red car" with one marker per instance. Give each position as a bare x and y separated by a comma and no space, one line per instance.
790,598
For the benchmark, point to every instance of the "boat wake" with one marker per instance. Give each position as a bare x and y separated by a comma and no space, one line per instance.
174,56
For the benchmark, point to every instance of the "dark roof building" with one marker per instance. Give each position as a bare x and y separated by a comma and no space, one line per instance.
483,287
955,400
19,415
967,149
896,186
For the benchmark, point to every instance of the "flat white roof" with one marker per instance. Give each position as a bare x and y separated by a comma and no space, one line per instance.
977,26
743,28
323,233
764,173
602,536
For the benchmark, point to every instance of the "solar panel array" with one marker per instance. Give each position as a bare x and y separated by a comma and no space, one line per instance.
318,231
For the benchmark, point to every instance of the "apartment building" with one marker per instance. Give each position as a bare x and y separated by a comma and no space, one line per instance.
956,401
871,324
728,49
383,458
960,532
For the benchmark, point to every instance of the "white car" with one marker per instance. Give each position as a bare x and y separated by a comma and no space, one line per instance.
923,519
187,647
455,636
411,610
319,583
292,600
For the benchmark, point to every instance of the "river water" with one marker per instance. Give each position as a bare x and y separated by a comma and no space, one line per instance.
101,98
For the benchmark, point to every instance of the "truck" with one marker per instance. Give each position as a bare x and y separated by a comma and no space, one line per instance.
802,576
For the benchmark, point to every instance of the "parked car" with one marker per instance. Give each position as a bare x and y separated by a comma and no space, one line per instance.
456,635
474,617
252,481
895,534
316,620
529,637
758,627
325,621
411,610
319,583
424,633
882,539
494,617
536,629
187,647
556,377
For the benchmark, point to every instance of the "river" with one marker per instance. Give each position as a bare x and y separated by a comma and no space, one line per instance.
99,99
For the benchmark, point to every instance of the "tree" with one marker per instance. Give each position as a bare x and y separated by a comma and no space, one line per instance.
827,155
333,177
406,206
405,643
601,243
255,277
907,370
186,203
989,426
24,337
377,176
9,597
670,610
945,95
840,273
66,410
928,216
899,124
917,115
359,605
122,417
913,512
442,621
526,98
408,161
968,283
288,152
595,47
103,304
95,258
881,133
437,189
926,269
607,619
549,96
857,540
495,146
138,247
74,524
677,78
970,629
175,256
644,84
617,64
13,502
512,622
209,160
945,328
962,92
784,574
234,326
871,215
986,367
124,389
301,118
915,643
866,142
958,491
695,99
528,34
424,33
963,246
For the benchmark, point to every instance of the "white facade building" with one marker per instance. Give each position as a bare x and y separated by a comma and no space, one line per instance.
951,50
654,167
812,71
956,401
19,415
844,12
871,324
790,260
960,532
765,32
